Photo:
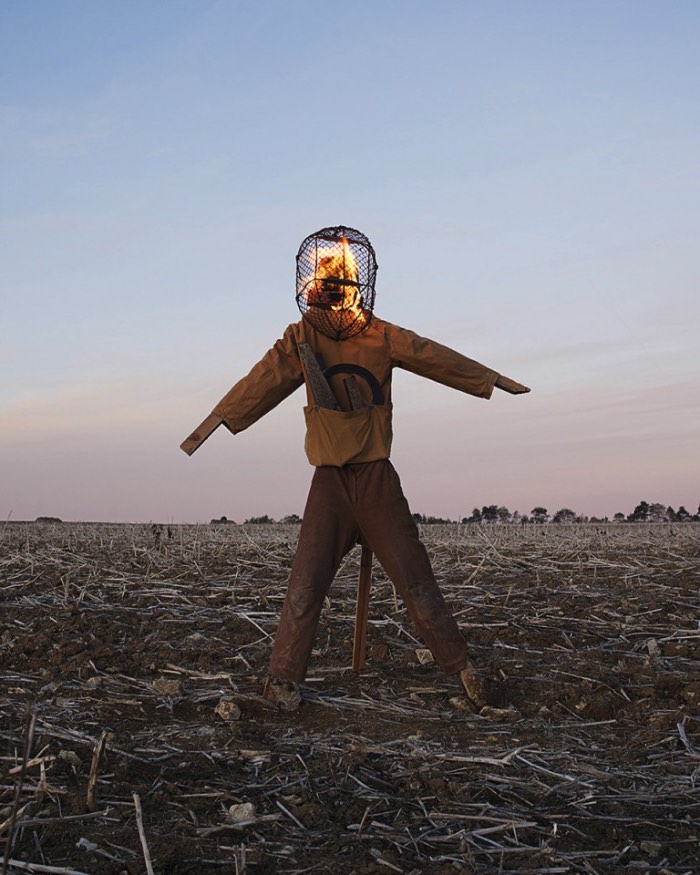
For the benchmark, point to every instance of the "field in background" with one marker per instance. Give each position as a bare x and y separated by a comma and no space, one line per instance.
141,656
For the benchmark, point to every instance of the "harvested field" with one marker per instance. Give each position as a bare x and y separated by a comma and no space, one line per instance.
134,738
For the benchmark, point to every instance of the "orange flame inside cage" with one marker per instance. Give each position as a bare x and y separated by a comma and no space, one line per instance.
335,281
336,270
334,288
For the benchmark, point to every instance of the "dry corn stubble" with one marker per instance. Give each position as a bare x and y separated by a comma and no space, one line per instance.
130,642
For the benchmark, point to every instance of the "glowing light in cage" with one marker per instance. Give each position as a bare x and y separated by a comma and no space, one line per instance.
333,286
336,269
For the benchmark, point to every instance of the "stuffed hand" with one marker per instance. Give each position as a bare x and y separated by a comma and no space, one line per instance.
510,386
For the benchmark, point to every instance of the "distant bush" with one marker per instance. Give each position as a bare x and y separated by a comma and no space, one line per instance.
48,519
422,519
222,521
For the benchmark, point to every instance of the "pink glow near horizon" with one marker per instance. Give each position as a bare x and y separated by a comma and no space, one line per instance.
528,178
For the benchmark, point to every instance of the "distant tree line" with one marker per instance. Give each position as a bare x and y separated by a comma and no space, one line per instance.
257,520
644,512
493,514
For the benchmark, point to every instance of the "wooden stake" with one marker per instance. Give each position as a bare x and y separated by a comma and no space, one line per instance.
362,609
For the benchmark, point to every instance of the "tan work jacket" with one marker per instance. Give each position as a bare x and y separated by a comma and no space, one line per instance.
345,436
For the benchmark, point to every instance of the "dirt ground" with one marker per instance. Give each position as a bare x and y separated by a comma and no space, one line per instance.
131,658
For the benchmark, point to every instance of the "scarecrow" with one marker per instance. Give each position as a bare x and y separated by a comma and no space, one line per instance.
345,355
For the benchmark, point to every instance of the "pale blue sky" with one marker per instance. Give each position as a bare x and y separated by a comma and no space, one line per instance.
527,172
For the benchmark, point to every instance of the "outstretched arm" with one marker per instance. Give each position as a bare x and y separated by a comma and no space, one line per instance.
510,386
444,365
270,381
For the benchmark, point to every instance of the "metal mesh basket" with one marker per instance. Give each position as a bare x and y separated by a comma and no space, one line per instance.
336,271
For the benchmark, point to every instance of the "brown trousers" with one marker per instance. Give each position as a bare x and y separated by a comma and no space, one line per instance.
344,503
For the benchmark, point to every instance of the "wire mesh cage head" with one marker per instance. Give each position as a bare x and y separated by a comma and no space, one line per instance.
336,271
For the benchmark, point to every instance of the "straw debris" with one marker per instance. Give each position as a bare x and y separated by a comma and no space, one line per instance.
151,748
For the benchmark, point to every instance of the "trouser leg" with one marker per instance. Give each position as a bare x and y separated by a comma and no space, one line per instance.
328,532
388,526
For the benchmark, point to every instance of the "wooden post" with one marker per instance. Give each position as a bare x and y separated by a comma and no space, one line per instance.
362,610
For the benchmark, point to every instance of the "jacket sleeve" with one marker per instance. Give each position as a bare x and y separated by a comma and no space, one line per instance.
270,381
429,359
